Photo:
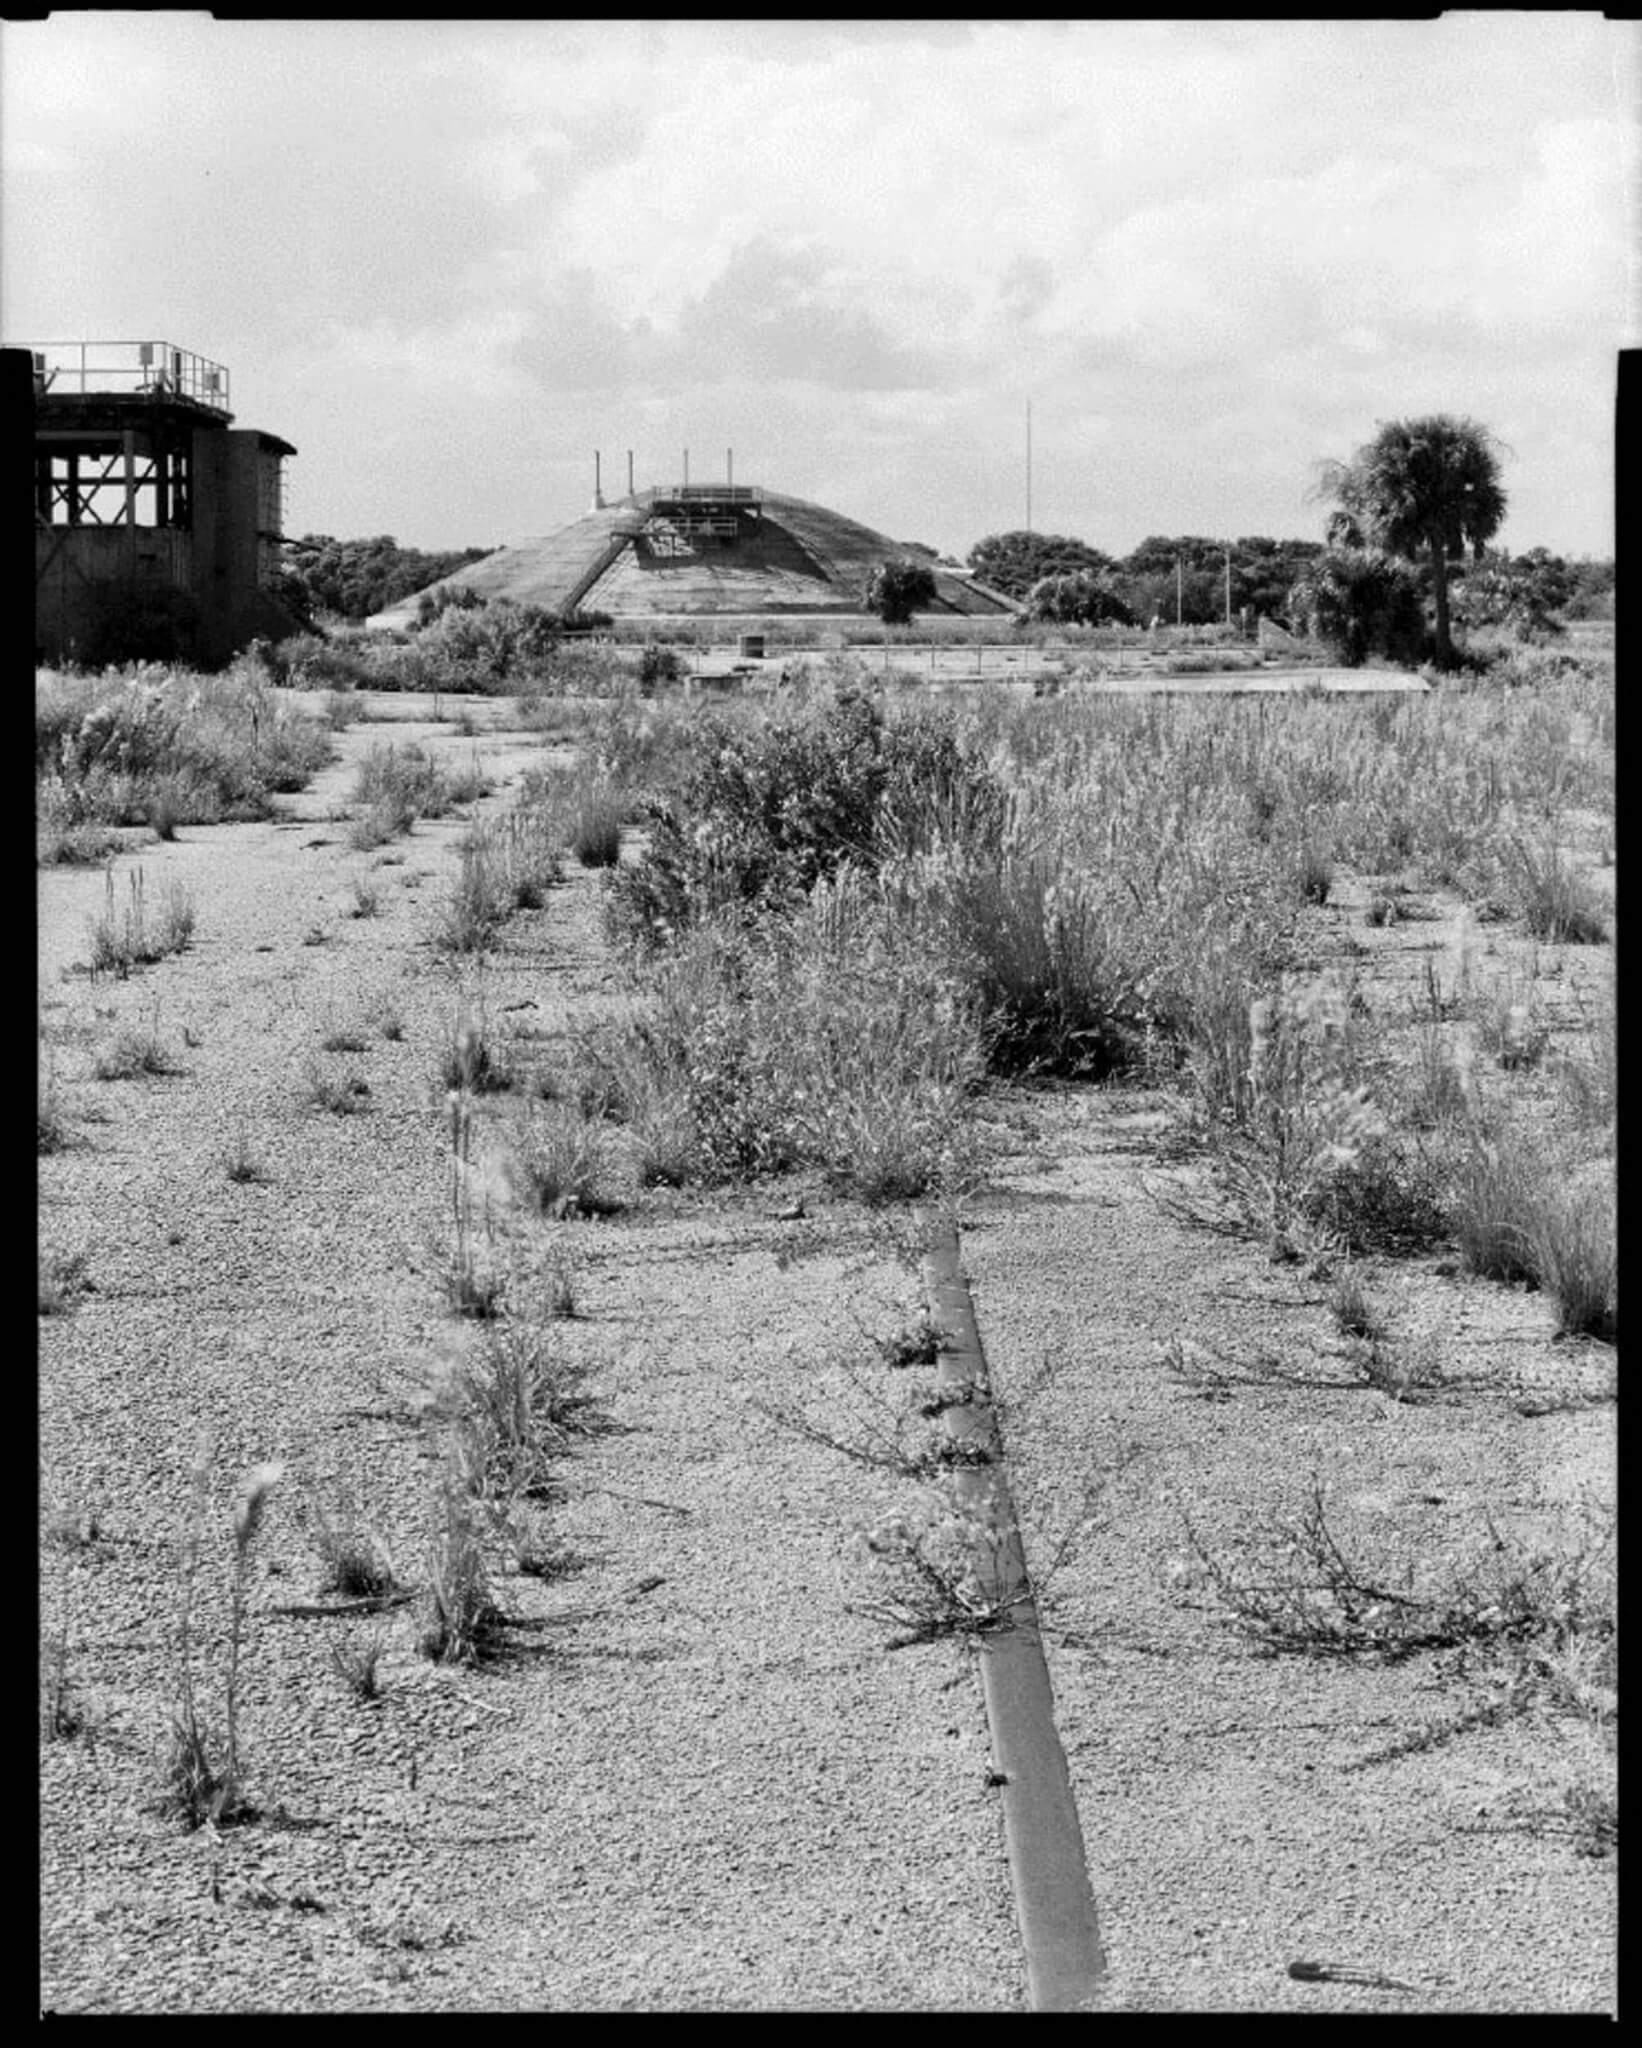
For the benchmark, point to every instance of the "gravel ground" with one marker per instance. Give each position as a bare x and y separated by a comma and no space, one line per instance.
1234,1819
696,1780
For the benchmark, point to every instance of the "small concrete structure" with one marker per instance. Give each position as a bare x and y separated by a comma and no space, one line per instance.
157,522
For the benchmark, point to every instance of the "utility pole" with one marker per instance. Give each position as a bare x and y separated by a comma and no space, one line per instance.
1228,586
1029,465
1179,588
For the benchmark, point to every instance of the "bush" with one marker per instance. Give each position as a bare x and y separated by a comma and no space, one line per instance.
763,815
401,782
1084,597
1360,604
658,665
833,1035
895,590
119,749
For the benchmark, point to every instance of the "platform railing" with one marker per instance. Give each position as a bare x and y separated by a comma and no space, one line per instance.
157,369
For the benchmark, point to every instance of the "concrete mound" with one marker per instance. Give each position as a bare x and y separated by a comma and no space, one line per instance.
699,553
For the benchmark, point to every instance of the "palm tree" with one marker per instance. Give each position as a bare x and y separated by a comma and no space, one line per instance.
1420,487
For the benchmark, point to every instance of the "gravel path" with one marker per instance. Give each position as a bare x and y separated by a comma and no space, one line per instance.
697,1780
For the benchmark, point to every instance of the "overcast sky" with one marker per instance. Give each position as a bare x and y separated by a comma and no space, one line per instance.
450,259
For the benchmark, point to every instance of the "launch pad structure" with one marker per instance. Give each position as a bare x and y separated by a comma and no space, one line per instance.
157,521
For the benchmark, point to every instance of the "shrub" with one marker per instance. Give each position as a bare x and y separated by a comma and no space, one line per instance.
895,590
658,665
133,1053
404,781
1389,1197
833,1035
1359,604
763,814
563,1160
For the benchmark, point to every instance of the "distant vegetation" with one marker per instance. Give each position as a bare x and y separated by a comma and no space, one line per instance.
895,590
354,578
1187,570
1422,491
1359,592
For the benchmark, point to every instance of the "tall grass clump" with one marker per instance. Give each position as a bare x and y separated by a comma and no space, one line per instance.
396,785
163,747
1574,1240
831,1034
126,933
202,1776
1557,903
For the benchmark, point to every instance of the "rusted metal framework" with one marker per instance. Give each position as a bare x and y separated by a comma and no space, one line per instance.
146,497
704,511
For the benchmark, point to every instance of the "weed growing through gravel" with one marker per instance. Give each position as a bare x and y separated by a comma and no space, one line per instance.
517,1399
1556,902
135,1052
338,1094
563,1161
389,1019
127,934
201,1781
63,1717
241,1163
1407,1372
475,1284
1306,1118
52,1130
915,1343
62,1281
354,1561
1307,1597
471,1058
367,898
1575,1249
595,827
479,901
356,1661
462,1621
1354,1314
938,1568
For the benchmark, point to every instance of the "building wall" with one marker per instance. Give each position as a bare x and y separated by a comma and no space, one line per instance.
233,488
106,593
95,586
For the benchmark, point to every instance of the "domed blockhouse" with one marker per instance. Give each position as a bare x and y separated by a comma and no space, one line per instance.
701,551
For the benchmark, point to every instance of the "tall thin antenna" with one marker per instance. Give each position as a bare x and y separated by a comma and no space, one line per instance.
686,469
629,472
1029,465
729,467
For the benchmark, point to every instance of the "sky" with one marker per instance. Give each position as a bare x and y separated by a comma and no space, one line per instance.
449,260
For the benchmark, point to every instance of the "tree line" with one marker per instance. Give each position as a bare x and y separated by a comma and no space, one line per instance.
1404,560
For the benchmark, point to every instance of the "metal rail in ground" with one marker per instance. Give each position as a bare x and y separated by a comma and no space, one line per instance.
1053,1903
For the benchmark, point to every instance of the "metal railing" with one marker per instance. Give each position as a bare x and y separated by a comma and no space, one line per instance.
155,369
712,494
